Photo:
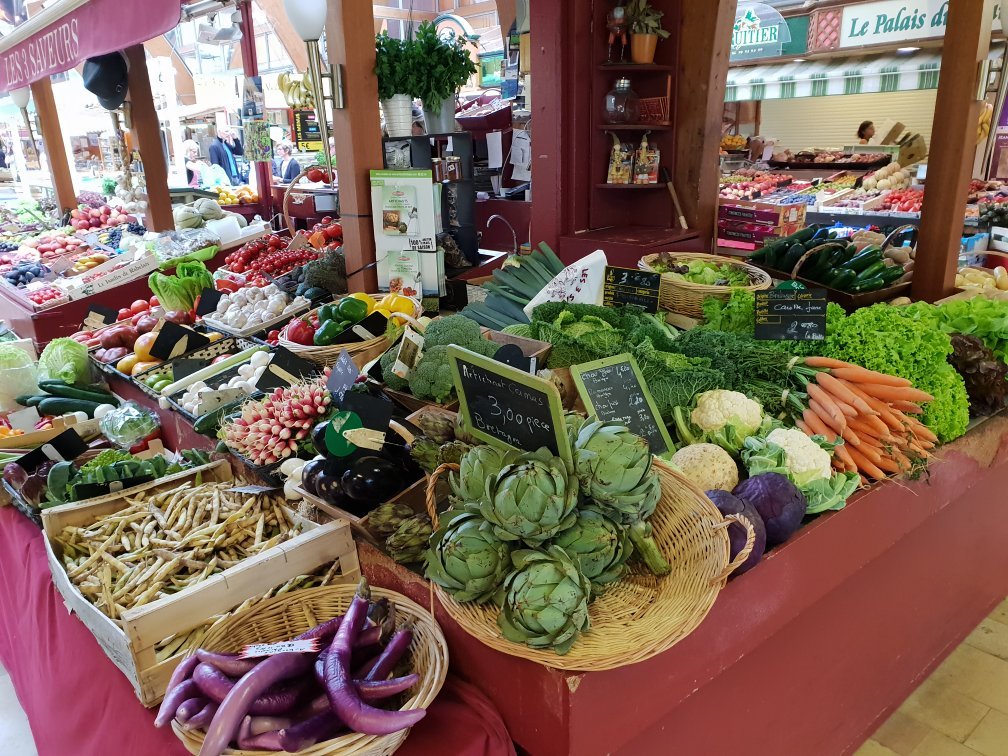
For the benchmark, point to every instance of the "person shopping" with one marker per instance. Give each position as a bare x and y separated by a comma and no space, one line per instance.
223,151
285,167
194,164
865,132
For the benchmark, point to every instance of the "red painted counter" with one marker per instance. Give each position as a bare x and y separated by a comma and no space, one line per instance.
806,654
78,703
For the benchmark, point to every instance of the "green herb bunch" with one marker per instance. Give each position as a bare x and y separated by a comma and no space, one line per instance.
441,65
392,67
645,18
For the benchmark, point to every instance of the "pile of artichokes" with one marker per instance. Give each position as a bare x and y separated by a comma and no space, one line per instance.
541,537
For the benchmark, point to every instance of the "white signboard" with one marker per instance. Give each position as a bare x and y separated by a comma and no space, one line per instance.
897,21
217,91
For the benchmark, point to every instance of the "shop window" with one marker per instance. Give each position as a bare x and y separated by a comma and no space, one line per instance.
853,82
889,79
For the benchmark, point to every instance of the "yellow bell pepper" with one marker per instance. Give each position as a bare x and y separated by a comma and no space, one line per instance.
398,303
366,298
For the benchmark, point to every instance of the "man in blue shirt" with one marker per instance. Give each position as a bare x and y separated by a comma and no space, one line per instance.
223,150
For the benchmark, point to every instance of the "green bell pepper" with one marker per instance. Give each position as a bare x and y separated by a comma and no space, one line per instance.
352,309
327,312
328,331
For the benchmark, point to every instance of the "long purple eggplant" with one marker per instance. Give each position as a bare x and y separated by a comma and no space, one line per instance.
253,684
268,741
229,664
259,725
309,732
172,700
376,690
343,696
202,718
394,651
279,699
182,691
188,708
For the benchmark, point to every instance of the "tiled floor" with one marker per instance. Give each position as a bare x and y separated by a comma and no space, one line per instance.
962,708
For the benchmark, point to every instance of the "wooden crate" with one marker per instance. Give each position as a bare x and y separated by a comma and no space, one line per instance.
130,643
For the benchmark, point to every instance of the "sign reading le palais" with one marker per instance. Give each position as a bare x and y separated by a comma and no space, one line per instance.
897,21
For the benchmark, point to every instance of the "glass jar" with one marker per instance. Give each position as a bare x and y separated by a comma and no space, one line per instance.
622,105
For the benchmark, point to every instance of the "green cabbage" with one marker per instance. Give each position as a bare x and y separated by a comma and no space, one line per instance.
13,357
64,360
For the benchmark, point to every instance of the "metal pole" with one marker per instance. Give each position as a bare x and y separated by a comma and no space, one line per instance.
315,74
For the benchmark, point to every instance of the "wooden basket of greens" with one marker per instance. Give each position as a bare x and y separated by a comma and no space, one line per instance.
688,278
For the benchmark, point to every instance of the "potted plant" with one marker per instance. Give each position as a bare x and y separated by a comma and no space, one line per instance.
395,89
441,66
645,29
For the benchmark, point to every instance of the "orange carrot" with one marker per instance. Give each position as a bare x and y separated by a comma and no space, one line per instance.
885,413
841,454
922,430
800,425
895,393
840,391
817,426
888,464
827,402
908,407
851,437
829,420
865,466
864,429
826,362
870,452
880,427
860,375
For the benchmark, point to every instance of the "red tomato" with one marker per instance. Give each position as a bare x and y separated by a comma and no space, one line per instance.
124,314
138,306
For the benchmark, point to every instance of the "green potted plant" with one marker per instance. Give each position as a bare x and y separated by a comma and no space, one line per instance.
395,86
645,29
441,66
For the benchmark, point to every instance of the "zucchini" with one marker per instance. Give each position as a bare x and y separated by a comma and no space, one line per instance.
871,284
892,273
208,424
792,257
28,400
863,260
774,253
85,393
58,405
804,235
842,280
821,262
875,269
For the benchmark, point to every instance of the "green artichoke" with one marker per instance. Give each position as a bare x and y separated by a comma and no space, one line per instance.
613,466
409,541
437,427
385,518
478,465
531,499
466,558
452,452
425,453
598,544
545,602
573,421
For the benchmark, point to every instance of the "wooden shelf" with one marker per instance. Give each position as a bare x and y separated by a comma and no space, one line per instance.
635,68
634,126
630,186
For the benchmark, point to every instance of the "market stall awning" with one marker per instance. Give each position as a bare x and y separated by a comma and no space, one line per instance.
69,32
834,76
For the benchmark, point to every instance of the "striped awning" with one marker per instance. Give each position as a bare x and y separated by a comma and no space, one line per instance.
835,76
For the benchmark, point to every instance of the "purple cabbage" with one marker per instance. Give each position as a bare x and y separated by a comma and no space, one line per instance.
778,501
729,504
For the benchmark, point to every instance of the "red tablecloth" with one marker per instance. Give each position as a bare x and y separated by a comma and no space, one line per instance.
78,703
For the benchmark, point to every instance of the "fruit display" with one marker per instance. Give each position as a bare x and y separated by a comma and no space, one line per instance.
857,198
268,256
47,296
826,157
86,262
236,195
891,176
196,215
317,175
328,322
733,142
24,273
252,307
53,244
88,218
297,91
904,201
993,281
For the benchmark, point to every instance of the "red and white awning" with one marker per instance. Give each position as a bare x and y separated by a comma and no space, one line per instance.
69,32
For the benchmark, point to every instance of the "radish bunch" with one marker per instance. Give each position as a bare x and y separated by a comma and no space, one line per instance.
269,430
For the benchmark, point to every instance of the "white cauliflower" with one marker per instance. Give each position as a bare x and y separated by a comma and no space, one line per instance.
716,409
806,460
708,466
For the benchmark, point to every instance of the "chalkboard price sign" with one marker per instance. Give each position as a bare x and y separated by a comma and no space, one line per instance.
503,405
613,389
630,286
791,314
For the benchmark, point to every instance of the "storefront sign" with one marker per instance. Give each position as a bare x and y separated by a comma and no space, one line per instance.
218,90
759,32
68,32
897,21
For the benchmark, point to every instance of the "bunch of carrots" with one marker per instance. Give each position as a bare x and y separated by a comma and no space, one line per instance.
875,414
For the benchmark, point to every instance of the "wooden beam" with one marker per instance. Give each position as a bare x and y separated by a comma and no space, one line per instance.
145,133
250,61
52,141
292,43
967,42
350,35
701,77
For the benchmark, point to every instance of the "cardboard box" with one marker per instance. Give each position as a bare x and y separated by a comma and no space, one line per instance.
130,643
82,287
756,234
762,212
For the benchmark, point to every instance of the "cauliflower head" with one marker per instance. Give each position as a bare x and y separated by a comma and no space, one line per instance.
708,466
716,409
806,461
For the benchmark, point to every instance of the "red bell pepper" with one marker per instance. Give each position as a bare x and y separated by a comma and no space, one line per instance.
300,331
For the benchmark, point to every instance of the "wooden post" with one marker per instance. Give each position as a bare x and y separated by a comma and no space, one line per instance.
250,65
953,148
356,132
145,135
52,140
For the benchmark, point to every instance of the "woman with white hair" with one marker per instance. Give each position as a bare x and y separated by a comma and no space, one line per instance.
193,164
285,167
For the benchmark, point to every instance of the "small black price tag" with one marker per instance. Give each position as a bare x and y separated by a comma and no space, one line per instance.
208,300
373,326
374,412
98,316
511,354
184,368
64,447
174,340
343,376
630,286
787,314
284,369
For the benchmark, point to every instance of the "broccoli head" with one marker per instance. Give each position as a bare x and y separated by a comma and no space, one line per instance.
452,329
392,380
431,379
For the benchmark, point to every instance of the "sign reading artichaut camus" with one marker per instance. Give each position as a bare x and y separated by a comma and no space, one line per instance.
759,32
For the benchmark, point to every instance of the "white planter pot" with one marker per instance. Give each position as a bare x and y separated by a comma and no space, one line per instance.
442,120
398,110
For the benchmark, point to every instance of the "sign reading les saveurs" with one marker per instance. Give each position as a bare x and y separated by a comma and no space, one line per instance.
46,54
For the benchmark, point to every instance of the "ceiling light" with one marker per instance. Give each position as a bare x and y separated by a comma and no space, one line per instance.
798,60
907,49
308,17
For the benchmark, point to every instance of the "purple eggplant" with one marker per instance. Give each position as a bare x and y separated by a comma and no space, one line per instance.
268,741
378,689
343,695
188,708
259,725
181,691
394,651
309,732
202,719
278,699
229,664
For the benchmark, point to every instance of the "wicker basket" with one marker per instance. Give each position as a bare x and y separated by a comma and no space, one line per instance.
284,617
687,298
640,615
362,352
